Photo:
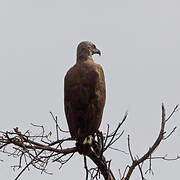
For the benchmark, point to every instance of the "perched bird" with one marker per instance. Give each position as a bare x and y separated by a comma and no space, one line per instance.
84,93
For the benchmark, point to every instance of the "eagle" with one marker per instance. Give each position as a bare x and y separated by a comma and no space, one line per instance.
84,93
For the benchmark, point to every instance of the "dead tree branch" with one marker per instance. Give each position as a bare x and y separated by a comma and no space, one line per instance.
148,154
39,150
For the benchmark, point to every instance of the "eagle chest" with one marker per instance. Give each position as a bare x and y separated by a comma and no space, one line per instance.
82,83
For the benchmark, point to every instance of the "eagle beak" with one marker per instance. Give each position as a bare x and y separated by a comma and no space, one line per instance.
97,51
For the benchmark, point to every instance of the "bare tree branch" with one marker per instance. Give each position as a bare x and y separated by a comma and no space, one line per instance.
39,150
149,153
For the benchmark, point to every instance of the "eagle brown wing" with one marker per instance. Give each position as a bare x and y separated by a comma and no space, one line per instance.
84,98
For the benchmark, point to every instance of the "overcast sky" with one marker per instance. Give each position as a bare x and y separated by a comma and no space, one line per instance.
140,44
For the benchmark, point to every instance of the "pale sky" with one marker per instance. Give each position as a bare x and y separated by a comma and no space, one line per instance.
140,43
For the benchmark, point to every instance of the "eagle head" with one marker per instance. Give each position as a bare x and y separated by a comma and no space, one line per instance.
85,49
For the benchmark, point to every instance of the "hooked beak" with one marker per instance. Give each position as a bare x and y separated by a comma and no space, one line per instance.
97,51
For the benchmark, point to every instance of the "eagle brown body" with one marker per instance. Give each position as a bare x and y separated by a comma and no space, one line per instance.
84,95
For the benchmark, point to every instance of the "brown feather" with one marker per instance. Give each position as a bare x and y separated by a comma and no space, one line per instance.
84,98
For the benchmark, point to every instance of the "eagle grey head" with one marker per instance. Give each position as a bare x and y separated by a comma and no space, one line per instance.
86,49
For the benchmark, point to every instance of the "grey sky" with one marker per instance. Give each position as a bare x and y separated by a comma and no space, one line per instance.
140,44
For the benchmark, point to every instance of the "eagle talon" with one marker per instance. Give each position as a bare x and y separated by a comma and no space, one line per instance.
88,140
